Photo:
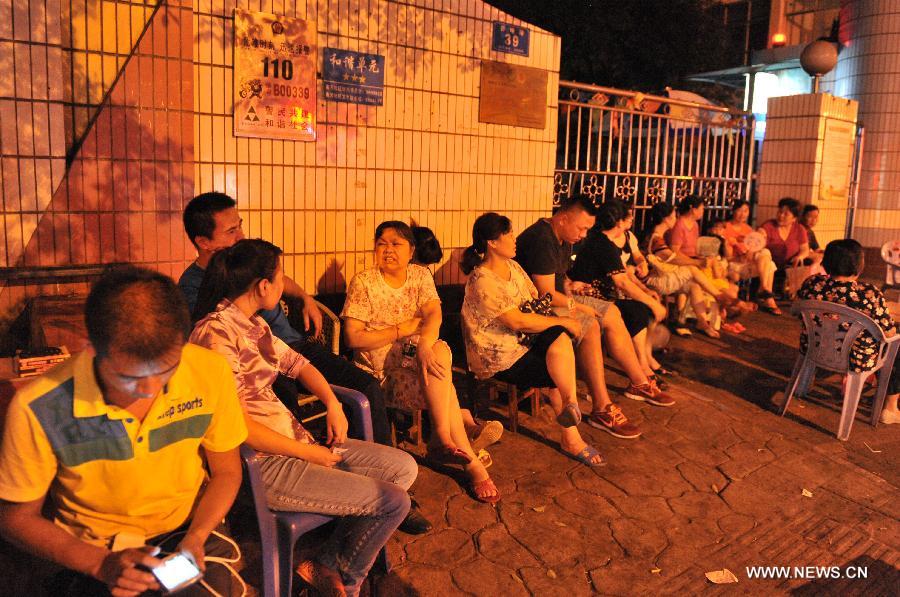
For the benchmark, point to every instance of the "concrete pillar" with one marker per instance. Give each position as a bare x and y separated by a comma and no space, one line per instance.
869,71
807,154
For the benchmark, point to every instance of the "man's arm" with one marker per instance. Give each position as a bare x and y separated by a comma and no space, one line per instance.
22,524
224,481
312,316
547,283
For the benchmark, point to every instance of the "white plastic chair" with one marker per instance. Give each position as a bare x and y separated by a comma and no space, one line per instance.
829,348
890,252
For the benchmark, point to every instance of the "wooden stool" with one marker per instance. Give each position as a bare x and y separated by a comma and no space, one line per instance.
514,396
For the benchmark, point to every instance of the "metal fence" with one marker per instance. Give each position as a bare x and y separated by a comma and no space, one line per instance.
644,149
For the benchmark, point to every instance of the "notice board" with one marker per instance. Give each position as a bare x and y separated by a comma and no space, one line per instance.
274,76
513,95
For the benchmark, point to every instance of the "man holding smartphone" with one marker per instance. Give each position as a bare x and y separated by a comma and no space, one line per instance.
117,437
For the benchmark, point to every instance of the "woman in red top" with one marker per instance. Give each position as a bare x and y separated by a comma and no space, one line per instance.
786,238
682,237
744,263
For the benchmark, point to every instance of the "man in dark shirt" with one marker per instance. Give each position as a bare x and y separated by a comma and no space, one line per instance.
544,250
212,222
809,218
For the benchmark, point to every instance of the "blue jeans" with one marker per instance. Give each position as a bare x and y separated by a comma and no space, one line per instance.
367,490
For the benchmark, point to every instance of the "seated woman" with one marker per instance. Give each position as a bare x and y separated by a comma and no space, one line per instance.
362,482
392,318
843,262
744,263
683,236
786,240
516,344
673,273
481,434
598,274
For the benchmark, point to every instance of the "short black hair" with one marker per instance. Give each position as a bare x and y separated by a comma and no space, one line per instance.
401,228
576,203
843,257
690,202
791,204
611,212
428,249
200,214
738,203
136,311
809,208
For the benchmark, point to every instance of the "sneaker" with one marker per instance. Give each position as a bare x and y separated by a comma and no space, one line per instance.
889,417
613,421
648,392
486,434
322,578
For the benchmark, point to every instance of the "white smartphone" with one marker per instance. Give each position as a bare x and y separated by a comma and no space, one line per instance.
177,571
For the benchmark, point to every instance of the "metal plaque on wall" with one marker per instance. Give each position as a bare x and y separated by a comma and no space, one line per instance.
274,76
514,95
353,77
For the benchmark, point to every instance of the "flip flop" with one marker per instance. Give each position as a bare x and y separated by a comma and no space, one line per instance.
586,456
485,458
447,455
663,372
489,432
570,416
482,486
683,332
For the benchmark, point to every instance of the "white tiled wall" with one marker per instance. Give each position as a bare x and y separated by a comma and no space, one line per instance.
422,155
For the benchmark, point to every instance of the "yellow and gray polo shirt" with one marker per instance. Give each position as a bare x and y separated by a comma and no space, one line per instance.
106,471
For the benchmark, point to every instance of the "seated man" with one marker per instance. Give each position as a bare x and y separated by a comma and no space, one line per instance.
544,250
212,222
117,437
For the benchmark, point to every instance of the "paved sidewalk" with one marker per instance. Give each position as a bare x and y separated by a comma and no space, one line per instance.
715,482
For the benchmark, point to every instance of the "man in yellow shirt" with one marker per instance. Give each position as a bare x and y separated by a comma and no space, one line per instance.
117,437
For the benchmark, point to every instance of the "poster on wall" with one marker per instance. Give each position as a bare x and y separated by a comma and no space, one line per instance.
274,76
353,77
510,39
837,159
511,94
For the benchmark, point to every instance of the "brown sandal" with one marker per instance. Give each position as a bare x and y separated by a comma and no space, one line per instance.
480,490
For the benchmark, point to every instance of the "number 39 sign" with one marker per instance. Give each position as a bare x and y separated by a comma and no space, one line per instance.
274,76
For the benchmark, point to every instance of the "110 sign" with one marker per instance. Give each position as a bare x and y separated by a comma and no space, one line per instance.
286,70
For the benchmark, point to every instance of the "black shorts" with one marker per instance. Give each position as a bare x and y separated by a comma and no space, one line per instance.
635,314
530,371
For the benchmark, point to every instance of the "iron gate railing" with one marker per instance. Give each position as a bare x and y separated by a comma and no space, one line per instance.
645,148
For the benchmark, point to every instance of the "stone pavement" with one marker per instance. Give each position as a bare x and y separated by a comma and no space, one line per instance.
715,482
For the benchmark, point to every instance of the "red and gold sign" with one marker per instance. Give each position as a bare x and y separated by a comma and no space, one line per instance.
274,76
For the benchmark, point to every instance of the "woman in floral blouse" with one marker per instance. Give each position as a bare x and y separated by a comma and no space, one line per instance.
392,317
362,482
505,341
843,263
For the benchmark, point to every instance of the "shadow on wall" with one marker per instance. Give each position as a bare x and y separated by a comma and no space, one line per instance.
121,198
332,277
